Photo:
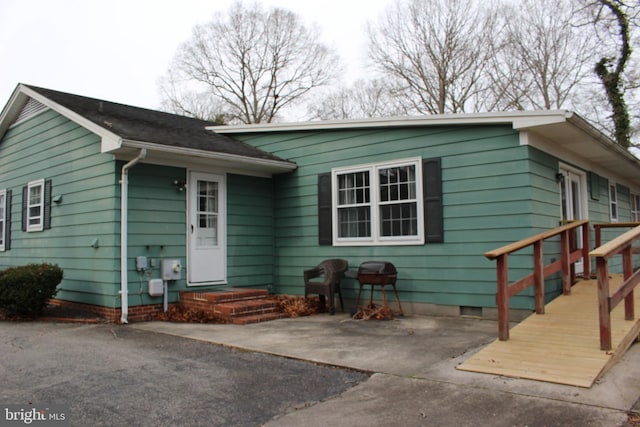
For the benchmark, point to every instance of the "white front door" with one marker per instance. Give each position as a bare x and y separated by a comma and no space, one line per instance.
207,229
573,188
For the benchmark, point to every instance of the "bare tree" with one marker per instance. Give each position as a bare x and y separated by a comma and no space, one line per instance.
179,98
364,99
254,62
538,58
434,50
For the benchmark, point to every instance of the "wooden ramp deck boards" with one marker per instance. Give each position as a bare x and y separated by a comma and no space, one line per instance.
563,345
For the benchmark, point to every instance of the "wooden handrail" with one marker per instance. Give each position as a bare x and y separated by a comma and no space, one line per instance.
568,257
614,246
521,244
599,227
607,301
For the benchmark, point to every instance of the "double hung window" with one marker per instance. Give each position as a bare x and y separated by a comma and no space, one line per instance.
379,203
35,206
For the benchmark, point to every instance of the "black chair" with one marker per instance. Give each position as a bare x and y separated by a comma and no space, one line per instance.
331,271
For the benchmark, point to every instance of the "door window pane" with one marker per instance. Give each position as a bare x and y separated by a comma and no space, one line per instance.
207,227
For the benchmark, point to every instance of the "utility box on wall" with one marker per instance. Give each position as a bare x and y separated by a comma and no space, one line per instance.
156,287
171,269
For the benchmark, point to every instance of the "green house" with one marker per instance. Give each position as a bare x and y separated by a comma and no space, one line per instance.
119,196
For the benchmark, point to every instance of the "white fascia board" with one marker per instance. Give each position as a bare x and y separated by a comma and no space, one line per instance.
11,110
110,140
539,120
274,166
514,118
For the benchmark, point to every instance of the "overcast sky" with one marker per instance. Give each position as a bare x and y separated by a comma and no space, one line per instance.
118,49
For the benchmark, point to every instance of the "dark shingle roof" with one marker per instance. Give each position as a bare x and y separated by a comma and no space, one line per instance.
144,125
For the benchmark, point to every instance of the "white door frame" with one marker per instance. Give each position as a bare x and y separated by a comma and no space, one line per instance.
573,176
206,229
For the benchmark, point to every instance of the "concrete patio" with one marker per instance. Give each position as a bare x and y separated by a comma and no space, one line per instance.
415,381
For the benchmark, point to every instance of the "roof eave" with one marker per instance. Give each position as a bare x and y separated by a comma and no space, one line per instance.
109,140
263,165
511,118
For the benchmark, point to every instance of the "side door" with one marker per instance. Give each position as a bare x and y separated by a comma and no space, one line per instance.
206,229
573,204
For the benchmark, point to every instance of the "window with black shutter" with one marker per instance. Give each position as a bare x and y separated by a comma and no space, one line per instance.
388,203
36,205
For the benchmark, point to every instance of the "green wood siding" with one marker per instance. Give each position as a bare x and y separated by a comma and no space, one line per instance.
250,231
51,147
157,228
487,190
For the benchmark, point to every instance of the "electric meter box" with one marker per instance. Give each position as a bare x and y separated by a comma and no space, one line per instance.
171,269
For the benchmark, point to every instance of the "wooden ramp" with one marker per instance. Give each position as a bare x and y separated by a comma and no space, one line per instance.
563,345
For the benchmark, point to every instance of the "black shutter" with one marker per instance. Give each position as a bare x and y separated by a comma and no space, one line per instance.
25,201
432,191
325,230
46,224
7,221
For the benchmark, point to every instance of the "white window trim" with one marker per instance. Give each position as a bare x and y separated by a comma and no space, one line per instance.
40,225
3,219
376,239
635,213
613,218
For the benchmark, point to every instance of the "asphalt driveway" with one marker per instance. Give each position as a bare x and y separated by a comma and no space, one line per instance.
110,375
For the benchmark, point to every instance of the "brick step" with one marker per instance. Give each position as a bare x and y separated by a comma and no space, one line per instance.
224,296
237,306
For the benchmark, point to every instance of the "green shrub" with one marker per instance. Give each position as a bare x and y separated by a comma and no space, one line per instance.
28,289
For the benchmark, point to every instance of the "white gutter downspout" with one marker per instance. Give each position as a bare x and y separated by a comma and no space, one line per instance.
124,241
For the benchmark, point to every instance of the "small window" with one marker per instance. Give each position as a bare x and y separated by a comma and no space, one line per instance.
35,206
635,207
379,203
3,219
613,203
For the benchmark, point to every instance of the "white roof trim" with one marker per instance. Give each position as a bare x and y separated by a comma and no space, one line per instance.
577,137
20,96
517,119
273,165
